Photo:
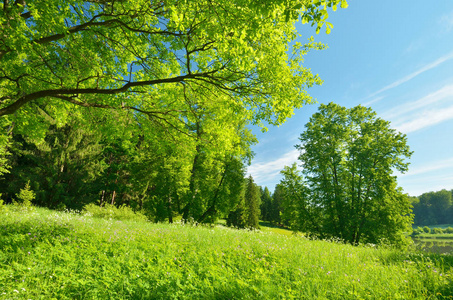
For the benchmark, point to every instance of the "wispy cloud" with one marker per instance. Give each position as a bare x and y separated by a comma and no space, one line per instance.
426,119
377,99
423,69
429,110
430,167
269,170
442,94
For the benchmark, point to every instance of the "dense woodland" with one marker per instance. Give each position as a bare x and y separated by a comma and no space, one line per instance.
433,208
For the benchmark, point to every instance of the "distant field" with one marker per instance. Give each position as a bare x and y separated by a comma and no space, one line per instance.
53,255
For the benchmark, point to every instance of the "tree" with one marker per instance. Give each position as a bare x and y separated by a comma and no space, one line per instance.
252,204
433,208
62,169
277,199
266,204
128,54
348,158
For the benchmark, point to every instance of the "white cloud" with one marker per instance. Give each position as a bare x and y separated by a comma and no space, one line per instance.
377,99
433,176
413,74
430,167
429,110
426,119
269,170
445,93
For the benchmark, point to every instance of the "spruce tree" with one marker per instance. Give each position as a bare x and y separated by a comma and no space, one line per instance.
252,203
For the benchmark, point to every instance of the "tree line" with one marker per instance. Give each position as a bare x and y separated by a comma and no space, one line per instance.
433,208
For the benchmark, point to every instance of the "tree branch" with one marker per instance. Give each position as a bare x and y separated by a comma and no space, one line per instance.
10,109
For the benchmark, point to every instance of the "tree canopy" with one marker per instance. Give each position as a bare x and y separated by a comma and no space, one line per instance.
433,208
349,190
148,56
146,103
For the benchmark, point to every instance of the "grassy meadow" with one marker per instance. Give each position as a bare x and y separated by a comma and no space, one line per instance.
59,255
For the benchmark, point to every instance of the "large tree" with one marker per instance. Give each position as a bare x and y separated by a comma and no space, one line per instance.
145,55
348,158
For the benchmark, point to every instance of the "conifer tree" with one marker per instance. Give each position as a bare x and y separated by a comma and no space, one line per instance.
252,203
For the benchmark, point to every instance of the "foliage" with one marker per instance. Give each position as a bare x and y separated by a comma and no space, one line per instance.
434,230
132,55
48,254
266,202
349,191
145,103
437,231
26,196
111,212
270,206
236,217
433,208
64,167
252,204
5,143
246,213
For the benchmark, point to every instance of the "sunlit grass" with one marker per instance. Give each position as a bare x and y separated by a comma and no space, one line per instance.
46,254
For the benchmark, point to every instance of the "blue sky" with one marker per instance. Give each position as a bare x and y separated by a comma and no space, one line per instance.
395,57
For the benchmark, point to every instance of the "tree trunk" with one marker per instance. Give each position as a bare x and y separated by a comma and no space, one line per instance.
113,197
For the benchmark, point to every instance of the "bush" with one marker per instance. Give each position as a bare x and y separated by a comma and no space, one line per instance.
110,211
25,197
417,231
438,231
426,229
448,230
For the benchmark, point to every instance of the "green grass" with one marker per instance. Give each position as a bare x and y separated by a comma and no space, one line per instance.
268,227
54,255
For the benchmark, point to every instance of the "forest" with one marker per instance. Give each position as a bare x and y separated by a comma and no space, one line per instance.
147,104
433,208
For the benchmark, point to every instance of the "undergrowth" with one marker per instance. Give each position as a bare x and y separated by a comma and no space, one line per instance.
59,255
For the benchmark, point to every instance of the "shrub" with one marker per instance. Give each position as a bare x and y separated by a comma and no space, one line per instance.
448,230
438,231
110,211
417,231
25,197
426,229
